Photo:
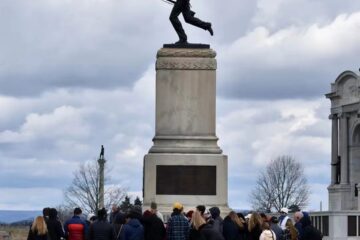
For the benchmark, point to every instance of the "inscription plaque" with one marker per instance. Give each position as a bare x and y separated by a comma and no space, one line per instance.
185,180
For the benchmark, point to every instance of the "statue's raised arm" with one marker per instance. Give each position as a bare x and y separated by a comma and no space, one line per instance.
183,6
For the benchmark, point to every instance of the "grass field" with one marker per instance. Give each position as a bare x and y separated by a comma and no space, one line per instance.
16,233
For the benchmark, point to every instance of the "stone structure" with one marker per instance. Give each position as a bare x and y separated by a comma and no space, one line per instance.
342,221
185,164
101,162
345,152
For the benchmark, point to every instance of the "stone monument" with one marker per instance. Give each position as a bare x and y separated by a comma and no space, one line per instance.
345,152
185,163
342,221
101,162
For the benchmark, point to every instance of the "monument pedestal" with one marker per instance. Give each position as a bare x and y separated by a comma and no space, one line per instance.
340,197
185,164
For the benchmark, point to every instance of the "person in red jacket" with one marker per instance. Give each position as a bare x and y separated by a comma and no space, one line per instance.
75,228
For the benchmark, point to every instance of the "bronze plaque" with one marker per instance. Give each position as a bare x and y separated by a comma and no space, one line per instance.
185,180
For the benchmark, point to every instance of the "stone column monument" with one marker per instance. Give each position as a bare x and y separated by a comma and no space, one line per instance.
185,164
101,162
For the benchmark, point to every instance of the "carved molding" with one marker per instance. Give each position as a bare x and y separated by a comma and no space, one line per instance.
186,64
186,52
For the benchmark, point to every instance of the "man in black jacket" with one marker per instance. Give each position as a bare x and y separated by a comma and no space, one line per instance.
153,226
183,6
101,229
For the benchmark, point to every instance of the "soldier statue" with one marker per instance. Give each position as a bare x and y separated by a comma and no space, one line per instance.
102,152
183,6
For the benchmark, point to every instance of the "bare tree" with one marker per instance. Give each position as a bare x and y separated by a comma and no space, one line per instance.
84,190
282,184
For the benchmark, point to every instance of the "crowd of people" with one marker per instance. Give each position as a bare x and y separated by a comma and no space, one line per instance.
197,224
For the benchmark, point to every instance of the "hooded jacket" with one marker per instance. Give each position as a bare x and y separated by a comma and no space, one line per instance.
101,230
309,231
133,230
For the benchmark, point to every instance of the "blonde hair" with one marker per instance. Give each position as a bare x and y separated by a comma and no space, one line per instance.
39,226
293,232
197,220
235,218
255,220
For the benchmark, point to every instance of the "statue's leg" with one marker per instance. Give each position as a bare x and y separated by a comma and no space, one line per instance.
189,17
177,9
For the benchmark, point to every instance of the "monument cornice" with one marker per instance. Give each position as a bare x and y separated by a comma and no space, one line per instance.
180,63
186,53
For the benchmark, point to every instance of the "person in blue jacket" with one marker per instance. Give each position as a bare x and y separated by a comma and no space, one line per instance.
133,229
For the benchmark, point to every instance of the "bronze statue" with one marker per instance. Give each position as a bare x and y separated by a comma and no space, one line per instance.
183,6
102,152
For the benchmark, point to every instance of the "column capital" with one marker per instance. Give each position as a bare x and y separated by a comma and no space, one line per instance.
333,116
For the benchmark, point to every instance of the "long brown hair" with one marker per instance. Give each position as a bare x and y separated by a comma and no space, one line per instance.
39,226
255,220
292,229
235,218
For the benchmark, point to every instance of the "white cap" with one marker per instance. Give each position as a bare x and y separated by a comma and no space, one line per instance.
284,210
248,216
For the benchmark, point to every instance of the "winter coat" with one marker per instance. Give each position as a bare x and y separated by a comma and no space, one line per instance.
75,228
205,232
277,230
309,231
101,230
299,228
133,230
267,235
33,235
55,229
153,228
231,231
217,220
255,233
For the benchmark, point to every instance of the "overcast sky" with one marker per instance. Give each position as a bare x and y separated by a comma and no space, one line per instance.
78,74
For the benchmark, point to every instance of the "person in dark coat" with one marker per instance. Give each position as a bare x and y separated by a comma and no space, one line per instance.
274,226
255,226
202,230
118,223
101,229
114,211
309,231
55,229
132,229
153,226
297,217
217,219
234,227
38,230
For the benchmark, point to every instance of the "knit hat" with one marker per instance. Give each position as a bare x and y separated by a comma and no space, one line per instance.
178,206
